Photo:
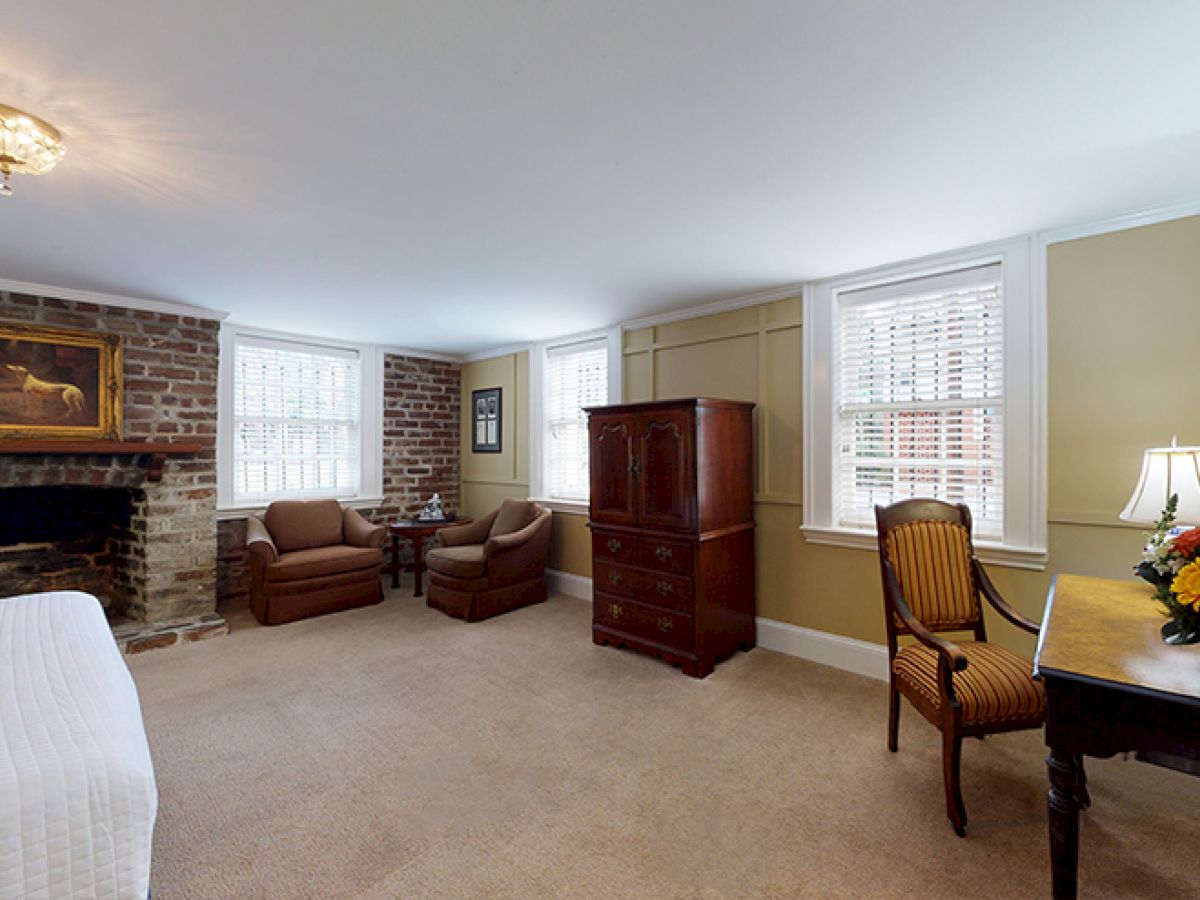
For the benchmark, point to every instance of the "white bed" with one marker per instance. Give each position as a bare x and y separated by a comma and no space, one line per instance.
77,792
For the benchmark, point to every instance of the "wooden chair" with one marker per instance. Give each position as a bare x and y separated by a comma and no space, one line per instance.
932,583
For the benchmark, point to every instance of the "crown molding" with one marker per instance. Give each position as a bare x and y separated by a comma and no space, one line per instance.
481,355
786,292
1153,216
423,354
158,306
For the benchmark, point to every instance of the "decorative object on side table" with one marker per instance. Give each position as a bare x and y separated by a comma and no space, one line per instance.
433,511
1171,558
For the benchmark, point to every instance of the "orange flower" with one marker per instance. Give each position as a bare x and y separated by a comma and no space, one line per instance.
1187,543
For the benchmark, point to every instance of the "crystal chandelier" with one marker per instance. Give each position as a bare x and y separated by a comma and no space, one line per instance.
28,145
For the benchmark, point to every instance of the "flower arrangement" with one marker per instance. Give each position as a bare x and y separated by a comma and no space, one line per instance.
1171,563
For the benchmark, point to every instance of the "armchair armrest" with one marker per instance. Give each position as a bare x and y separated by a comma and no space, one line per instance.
359,532
261,549
258,541
472,533
505,542
999,603
949,653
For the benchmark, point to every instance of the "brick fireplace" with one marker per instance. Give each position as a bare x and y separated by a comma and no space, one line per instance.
100,521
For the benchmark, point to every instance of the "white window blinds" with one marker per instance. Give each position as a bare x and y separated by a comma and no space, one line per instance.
296,420
920,397
576,375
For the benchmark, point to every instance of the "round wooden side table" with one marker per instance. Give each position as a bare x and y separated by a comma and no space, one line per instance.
415,532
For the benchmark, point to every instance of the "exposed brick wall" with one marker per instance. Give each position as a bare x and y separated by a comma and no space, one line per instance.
170,376
420,434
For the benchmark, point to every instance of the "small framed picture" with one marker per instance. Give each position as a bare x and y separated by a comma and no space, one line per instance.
486,430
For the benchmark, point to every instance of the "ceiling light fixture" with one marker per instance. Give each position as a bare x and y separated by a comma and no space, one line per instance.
28,145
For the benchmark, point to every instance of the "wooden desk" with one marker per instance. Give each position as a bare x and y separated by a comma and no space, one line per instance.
415,532
1112,686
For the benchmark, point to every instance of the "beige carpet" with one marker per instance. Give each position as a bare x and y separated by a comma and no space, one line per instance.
394,752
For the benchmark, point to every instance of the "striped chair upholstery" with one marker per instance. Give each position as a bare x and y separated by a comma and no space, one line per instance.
995,688
932,562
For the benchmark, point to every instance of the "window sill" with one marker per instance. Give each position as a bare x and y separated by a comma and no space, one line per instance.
571,507
225,513
993,554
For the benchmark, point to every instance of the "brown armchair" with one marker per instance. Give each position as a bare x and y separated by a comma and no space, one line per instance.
309,557
492,565
932,583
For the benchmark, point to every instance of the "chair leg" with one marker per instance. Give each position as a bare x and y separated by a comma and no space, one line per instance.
1082,797
894,721
951,755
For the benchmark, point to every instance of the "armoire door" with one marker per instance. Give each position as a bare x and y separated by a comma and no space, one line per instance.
666,470
611,448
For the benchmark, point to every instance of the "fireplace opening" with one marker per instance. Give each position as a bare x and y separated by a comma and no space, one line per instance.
67,538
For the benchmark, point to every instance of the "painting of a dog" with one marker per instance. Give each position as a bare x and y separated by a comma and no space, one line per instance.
58,384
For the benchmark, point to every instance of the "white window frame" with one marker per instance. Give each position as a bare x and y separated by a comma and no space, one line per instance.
1024,401
370,492
537,408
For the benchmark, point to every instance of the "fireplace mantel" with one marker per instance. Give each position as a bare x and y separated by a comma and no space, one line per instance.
155,451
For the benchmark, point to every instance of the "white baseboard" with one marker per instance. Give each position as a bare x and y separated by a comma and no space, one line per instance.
848,654
572,585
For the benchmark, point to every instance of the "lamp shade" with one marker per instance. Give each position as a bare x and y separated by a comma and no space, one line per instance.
1166,471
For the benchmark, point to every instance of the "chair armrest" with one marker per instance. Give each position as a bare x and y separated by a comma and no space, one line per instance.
999,603
258,541
359,532
472,533
505,542
948,651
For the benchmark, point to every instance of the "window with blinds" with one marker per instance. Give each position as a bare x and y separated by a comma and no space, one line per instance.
920,396
575,375
297,423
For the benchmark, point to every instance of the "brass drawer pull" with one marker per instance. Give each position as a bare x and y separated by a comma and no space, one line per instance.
665,587
615,610
615,577
665,624
613,545
663,553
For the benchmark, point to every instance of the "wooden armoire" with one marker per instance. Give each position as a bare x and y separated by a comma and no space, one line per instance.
672,519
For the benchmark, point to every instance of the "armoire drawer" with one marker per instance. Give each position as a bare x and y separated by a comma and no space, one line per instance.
662,626
665,555
617,547
656,588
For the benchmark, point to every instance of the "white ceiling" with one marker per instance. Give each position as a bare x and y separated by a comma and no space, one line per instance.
457,174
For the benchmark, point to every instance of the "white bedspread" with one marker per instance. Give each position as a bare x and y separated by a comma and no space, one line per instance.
77,793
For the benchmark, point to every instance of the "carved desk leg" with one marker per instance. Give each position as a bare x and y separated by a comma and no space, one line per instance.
1064,822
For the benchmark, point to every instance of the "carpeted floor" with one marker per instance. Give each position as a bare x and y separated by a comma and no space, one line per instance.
394,752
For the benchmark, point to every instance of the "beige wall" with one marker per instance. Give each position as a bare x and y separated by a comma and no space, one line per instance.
487,478
1116,386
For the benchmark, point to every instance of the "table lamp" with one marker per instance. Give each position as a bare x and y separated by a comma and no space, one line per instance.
1166,471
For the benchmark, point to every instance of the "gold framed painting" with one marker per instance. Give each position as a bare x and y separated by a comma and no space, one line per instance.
59,384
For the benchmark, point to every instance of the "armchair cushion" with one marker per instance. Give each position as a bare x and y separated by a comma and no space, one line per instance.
466,561
318,561
513,516
301,524
997,685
